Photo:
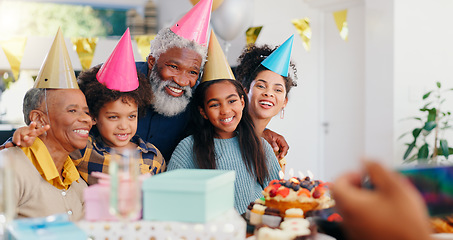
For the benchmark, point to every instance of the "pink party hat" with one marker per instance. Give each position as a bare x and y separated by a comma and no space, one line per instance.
194,25
119,72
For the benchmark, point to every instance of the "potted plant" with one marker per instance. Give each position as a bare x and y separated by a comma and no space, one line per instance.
429,140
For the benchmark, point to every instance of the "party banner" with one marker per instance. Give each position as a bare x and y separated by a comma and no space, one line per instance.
342,24
304,30
14,51
252,34
215,3
143,44
85,49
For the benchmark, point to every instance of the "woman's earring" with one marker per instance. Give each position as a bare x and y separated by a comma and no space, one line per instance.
282,113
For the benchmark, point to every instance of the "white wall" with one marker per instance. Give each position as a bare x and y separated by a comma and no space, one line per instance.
378,89
423,56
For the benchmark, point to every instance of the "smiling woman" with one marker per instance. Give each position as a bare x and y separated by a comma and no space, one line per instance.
267,83
43,171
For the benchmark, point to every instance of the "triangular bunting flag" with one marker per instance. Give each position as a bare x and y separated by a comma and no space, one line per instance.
252,34
342,24
304,30
85,49
14,51
143,44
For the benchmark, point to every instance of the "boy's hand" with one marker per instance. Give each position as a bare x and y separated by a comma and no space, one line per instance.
25,136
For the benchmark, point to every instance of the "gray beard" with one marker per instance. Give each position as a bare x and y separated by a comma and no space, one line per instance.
163,103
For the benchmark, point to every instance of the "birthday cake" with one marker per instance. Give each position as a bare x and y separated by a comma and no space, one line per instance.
305,194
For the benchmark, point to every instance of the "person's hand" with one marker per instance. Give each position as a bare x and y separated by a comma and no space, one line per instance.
277,142
392,210
25,136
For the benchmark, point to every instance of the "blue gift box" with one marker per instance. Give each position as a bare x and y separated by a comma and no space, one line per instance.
188,195
53,227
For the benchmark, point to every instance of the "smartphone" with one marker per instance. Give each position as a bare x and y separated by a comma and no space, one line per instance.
435,183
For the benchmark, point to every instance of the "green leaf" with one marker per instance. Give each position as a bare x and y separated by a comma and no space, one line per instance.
427,95
411,159
429,126
423,152
409,118
444,147
438,84
432,114
446,127
403,135
409,150
416,132
427,105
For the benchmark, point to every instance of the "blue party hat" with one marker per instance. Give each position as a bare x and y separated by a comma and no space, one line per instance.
278,61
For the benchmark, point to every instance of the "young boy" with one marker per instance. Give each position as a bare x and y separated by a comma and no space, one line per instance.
115,95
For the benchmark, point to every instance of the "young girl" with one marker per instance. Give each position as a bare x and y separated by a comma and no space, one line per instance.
223,136
267,84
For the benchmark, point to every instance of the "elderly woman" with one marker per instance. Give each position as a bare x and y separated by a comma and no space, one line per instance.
46,180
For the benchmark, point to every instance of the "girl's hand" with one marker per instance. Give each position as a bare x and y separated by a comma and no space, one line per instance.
277,142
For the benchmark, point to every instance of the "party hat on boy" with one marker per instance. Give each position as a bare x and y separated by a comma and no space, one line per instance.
278,60
119,72
217,66
195,23
56,70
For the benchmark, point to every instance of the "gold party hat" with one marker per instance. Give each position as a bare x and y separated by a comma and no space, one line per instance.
56,70
217,66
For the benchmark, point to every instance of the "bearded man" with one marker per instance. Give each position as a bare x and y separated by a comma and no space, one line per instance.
173,68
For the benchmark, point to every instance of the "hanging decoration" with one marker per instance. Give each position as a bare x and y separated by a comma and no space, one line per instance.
342,24
215,3
143,44
85,48
14,51
252,34
303,28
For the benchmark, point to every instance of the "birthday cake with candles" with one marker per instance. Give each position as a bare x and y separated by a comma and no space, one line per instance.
301,193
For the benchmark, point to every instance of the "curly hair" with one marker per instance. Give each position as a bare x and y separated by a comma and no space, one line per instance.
97,95
166,39
250,66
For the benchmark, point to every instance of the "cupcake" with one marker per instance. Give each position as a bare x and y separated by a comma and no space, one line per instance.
256,214
294,213
272,217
